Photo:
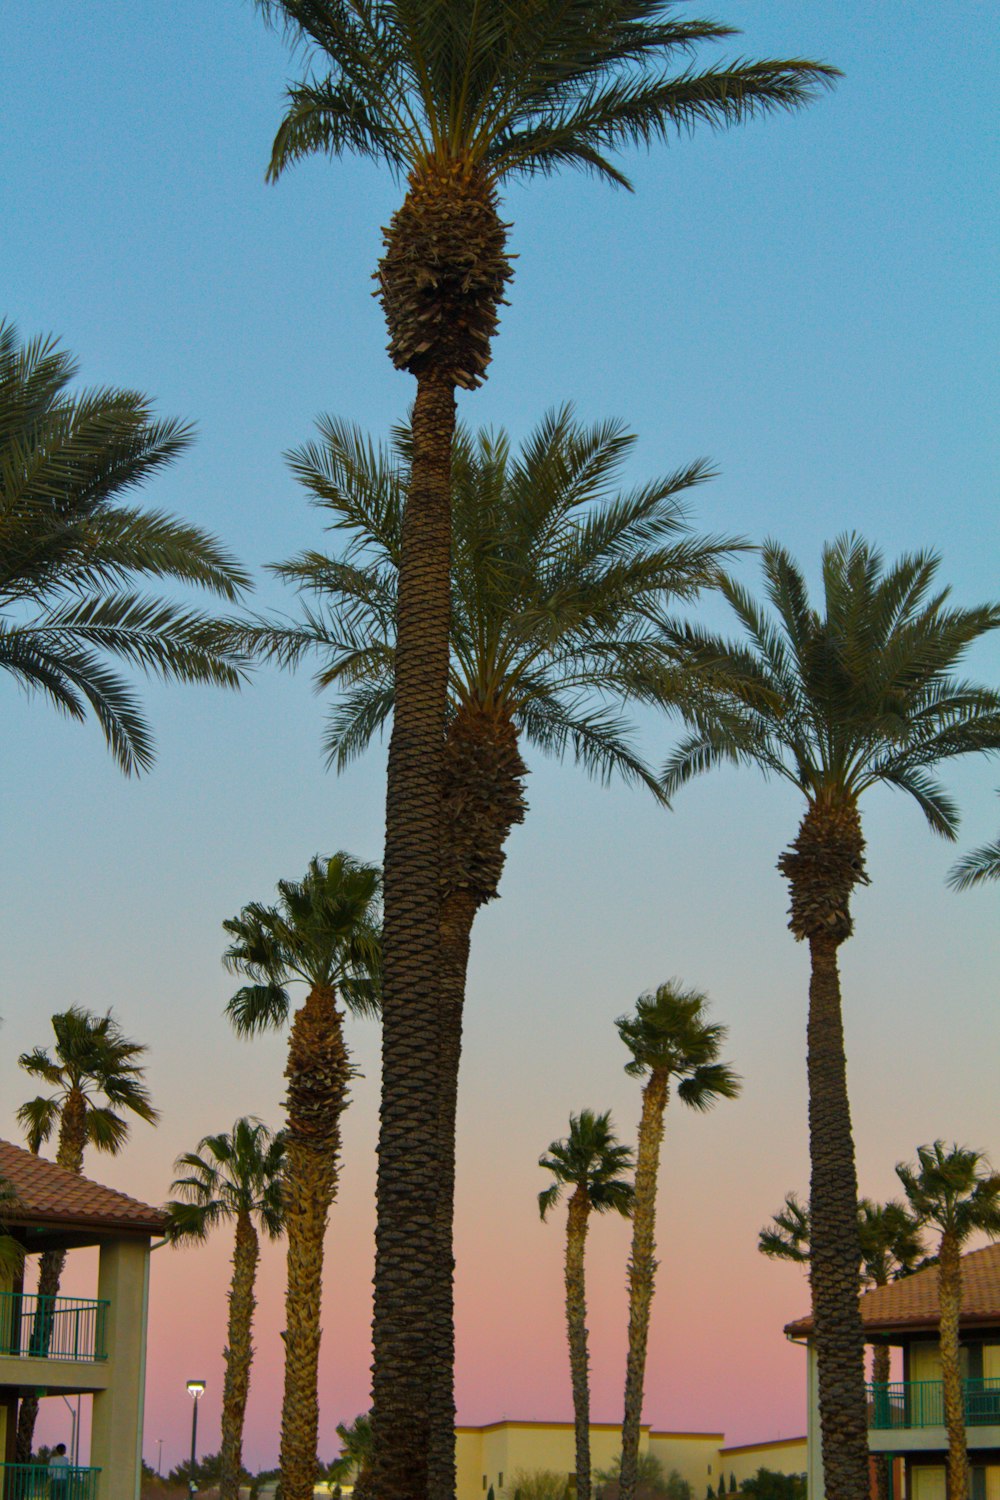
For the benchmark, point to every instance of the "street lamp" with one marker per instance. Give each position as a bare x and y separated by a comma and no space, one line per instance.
195,1389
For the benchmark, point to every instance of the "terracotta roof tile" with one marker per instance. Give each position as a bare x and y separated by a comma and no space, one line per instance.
48,1194
913,1302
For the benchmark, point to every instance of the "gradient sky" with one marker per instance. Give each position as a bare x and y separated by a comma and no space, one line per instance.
809,301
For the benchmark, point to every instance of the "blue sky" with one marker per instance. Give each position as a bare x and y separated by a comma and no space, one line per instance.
810,302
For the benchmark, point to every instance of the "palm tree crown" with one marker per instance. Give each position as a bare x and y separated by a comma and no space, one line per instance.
96,1073
70,550
669,1035
557,579
324,931
891,1245
840,701
591,1159
234,1173
954,1189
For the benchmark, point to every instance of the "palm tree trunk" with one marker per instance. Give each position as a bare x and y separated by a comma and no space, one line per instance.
69,1154
950,1300
483,800
834,1249
641,1272
238,1356
318,1074
880,1382
576,1330
409,1277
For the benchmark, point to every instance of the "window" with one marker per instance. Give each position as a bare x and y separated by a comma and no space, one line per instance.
500,1480
484,1481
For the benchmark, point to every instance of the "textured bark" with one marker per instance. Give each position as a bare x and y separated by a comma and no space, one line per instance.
318,1073
410,1279
641,1272
823,866
238,1356
441,282
483,800
69,1154
950,1301
880,1377
576,1331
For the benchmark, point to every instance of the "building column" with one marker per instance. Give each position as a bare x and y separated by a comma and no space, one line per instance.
116,1432
814,1439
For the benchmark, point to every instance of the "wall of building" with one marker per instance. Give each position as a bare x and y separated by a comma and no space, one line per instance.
695,1456
786,1456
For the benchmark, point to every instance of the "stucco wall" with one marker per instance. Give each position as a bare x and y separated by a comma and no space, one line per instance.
743,1461
695,1456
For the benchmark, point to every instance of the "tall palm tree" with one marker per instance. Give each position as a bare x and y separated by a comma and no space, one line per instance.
233,1178
557,575
323,932
891,1247
97,1079
837,702
975,868
591,1161
459,99
71,550
673,1045
956,1191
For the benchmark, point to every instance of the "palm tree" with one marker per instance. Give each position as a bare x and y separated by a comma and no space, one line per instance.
95,1072
891,1248
235,1178
860,696
672,1043
590,1160
556,576
459,99
71,550
355,1460
323,932
957,1191
975,868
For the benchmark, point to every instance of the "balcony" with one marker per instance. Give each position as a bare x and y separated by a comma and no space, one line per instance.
60,1328
38,1482
903,1405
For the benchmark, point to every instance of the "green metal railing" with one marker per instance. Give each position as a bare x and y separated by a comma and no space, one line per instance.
39,1482
920,1403
52,1327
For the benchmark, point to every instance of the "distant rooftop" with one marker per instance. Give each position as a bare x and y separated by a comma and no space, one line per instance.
48,1195
913,1302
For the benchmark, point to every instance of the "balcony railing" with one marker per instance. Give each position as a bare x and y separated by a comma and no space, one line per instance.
37,1327
920,1403
39,1482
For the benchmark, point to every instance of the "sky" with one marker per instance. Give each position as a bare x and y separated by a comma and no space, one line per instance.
810,302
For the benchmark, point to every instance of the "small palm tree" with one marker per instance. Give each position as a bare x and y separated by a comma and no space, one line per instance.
355,1460
556,575
591,1161
673,1044
837,702
458,100
70,549
976,868
97,1077
232,1178
324,932
958,1193
891,1247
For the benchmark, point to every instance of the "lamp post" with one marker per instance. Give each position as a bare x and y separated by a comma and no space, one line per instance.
195,1389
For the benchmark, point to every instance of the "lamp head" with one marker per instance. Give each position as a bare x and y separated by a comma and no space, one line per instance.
196,1388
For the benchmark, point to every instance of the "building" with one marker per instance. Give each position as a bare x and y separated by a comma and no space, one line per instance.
906,1418
93,1346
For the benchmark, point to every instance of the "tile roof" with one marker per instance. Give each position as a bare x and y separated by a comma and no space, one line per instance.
50,1195
913,1302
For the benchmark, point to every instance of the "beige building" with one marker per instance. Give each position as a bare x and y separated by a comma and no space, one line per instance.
68,1346
906,1417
